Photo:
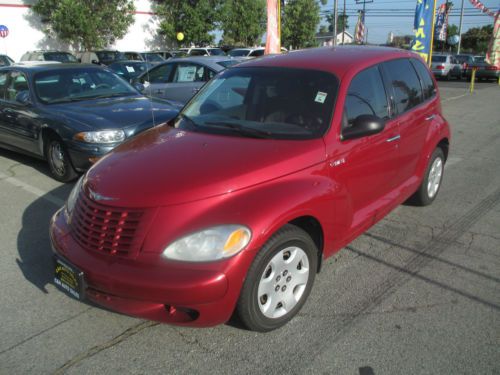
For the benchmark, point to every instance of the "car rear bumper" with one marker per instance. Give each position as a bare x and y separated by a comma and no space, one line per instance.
151,287
491,74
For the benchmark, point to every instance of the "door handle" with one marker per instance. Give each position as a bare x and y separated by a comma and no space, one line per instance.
431,117
395,138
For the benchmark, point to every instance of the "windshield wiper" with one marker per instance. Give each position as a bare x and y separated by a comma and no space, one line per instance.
252,132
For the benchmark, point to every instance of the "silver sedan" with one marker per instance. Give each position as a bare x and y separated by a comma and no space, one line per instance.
180,78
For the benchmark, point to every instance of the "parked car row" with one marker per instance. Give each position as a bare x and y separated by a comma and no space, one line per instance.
447,66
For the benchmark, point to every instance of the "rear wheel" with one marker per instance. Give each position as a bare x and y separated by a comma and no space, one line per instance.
60,166
279,280
431,183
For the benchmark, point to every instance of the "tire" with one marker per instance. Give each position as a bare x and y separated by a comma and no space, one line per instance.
60,166
281,274
431,183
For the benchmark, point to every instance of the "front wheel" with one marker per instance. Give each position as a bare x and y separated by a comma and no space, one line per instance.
431,183
279,280
60,165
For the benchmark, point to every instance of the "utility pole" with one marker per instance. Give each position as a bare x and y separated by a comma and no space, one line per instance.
460,28
343,25
335,15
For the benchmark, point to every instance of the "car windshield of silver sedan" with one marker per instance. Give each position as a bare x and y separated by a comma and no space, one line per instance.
69,85
264,102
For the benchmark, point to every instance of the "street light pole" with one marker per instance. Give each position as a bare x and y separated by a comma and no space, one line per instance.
343,25
460,28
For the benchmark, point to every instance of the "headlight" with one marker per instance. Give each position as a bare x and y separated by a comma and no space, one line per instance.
210,244
102,136
73,196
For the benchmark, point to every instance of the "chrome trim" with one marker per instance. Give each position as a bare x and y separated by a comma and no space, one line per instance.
395,138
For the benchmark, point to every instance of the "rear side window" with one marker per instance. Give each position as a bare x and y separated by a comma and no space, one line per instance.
3,84
160,74
366,96
425,78
405,84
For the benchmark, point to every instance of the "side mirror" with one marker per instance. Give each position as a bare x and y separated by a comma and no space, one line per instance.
23,97
363,126
139,86
95,62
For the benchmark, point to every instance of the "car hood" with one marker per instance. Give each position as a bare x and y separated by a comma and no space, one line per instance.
165,166
111,113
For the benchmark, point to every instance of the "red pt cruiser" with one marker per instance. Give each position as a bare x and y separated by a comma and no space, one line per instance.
272,167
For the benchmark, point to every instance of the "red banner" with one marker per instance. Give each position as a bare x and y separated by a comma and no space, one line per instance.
273,40
480,6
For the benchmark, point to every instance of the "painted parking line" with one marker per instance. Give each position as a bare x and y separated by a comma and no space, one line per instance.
32,189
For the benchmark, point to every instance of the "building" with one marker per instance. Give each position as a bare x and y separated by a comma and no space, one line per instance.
326,39
26,30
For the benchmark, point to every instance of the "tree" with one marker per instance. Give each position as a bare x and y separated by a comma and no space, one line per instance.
196,19
243,22
86,24
340,22
299,23
477,39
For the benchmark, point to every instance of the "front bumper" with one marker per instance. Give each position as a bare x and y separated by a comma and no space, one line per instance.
84,155
153,288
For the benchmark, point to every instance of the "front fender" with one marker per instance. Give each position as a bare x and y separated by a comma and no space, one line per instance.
264,208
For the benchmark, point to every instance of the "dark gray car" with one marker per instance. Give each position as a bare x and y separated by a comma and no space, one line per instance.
180,78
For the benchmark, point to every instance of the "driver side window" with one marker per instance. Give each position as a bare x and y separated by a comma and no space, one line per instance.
17,84
366,96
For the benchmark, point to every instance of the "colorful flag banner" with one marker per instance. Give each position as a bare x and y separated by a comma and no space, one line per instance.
359,33
480,6
272,40
422,40
441,28
493,54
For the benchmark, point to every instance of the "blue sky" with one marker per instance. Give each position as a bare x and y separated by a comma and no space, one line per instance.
384,16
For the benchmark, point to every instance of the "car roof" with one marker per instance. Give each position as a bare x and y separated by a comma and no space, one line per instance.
337,60
45,66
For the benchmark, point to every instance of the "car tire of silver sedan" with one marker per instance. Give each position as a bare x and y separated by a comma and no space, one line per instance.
279,280
60,165
431,183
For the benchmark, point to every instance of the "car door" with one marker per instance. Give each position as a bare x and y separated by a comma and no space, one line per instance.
18,124
157,80
187,79
411,113
365,168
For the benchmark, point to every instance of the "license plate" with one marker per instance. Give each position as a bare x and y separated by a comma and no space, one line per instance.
69,278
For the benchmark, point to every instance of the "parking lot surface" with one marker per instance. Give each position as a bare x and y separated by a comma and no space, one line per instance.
419,293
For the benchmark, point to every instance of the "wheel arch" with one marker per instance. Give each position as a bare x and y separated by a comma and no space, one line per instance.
313,228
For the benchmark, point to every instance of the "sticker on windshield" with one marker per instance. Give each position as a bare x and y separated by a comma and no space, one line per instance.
320,97
130,69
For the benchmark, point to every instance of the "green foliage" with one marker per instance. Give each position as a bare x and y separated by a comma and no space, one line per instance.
340,22
299,23
88,24
477,39
243,22
194,18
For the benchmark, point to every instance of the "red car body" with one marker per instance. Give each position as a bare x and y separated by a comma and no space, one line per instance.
179,182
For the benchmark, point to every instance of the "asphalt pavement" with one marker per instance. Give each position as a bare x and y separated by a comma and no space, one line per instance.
419,293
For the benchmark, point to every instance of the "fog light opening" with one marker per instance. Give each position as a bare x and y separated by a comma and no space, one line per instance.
181,314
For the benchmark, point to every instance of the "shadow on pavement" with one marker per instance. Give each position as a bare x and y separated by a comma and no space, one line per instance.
38,164
33,243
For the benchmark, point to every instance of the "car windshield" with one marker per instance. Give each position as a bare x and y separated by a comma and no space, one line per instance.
69,85
130,69
438,59
264,102
216,52
110,55
60,56
238,52
152,57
